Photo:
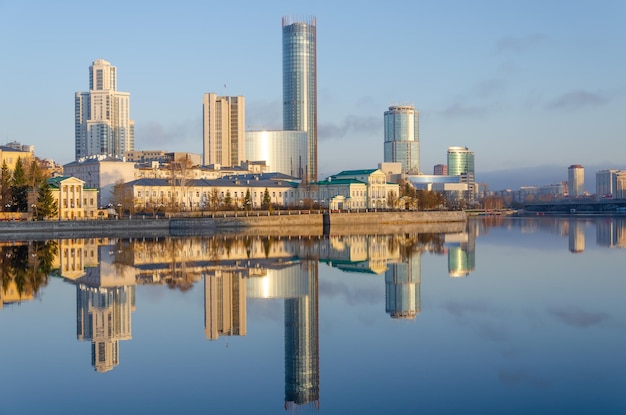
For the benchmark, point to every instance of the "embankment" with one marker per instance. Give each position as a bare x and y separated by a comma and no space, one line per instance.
278,223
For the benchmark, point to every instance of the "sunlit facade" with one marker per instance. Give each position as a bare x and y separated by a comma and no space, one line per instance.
576,180
283,151
402,137
300,84
102,115
461,161
223,121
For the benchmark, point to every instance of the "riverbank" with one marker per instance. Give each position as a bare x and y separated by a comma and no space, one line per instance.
277,223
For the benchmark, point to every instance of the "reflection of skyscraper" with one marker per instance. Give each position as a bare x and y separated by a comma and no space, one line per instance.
224,304
462,251
302,375
611,233
402,288
103,316
300,84
576,236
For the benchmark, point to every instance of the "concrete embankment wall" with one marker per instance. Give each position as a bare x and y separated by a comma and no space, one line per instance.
276,224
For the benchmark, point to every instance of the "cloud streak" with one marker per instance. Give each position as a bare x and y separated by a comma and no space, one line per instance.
576,100
512,44
352,124
579,318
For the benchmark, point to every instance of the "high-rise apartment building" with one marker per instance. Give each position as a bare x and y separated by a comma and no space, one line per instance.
224,123
300,84
402,138
102,116
440,170
575,180
461,162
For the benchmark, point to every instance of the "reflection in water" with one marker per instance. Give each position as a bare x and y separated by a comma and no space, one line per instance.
235,268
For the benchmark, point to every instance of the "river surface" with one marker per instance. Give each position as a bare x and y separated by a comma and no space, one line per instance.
510,316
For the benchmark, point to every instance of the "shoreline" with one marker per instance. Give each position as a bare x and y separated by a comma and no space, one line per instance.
316,223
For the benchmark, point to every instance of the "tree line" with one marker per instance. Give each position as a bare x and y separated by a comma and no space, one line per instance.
26,188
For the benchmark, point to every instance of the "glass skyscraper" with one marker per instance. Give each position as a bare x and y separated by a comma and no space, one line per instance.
283,151
402,143
300,84
460,161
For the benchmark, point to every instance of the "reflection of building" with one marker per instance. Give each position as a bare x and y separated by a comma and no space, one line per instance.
612,233
300,85
402,138
223,129
102,115
402,288
462,251
576,236
302,359
103,317
283,151
224,304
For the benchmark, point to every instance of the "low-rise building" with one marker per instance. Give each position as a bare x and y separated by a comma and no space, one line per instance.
74,200
101,173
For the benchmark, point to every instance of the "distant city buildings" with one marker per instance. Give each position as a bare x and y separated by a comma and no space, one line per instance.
402,138
223,121
576,180
611,183
440,170
300,84
102,115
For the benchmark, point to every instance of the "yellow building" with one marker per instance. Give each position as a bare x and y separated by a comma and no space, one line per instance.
10,156
74,201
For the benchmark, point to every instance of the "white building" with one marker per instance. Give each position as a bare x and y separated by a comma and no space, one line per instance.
101,174
576,180
102,115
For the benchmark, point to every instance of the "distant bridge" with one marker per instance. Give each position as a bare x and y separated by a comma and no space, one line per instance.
568,206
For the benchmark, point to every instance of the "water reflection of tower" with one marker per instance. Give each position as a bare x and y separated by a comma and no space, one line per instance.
105,299
297,283
576,236
462,251
402,287
302,345
224,304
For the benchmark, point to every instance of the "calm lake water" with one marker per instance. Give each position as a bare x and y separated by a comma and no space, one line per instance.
510,316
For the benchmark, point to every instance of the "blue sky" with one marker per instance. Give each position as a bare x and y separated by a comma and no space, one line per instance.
522,84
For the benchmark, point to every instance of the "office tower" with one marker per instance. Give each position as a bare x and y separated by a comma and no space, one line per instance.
461,162
440,170
224,121
576,180
102,116
402,138
283,151
300,84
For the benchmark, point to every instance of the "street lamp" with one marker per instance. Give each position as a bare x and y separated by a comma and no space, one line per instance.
34,207
119,207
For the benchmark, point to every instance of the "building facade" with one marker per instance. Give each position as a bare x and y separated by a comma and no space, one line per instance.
402,138
611,183
282,151
460,161
576,180
300,84
223,121
101,174
73,199
102,115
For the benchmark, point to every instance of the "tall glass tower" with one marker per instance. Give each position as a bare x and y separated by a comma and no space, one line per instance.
460,161
300,84
402,143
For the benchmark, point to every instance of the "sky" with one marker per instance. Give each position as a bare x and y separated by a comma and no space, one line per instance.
528,86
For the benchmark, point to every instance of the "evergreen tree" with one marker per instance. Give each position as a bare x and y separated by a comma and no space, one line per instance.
19,188
5,186
228,199
267,200
35,176
247,201
46,206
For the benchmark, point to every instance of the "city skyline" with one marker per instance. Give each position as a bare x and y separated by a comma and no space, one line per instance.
488,76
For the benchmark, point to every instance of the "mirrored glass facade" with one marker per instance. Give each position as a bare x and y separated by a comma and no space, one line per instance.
402,138
283,151
300,84
460,161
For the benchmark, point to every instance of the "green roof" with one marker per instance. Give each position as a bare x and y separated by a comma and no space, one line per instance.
333,180
355,172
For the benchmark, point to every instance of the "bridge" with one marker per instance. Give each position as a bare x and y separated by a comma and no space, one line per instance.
578,206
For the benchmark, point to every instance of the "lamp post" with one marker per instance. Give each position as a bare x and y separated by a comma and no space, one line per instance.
34,208
119,207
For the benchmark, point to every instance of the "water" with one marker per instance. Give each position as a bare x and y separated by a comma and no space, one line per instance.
512,316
